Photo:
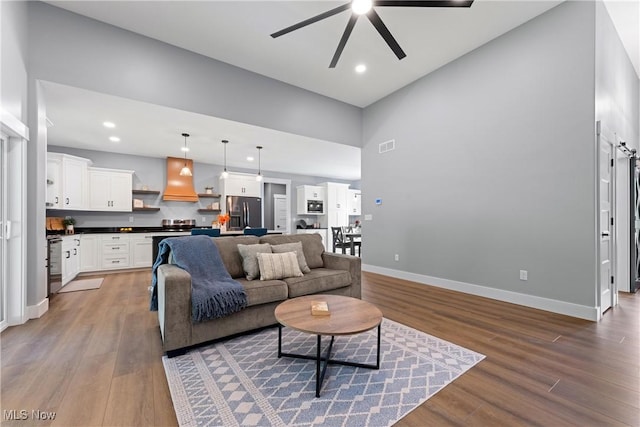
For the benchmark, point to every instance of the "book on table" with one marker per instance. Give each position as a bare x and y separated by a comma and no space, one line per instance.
320,308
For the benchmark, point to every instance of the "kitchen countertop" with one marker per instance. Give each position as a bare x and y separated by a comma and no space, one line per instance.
101,230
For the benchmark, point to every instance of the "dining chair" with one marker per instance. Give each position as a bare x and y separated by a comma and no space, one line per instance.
255,231
213,232
338,239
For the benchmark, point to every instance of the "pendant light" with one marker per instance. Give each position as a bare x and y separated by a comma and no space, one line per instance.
259,176
225,174
185,171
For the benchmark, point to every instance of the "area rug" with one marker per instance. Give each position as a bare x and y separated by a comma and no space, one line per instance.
241,381
82,285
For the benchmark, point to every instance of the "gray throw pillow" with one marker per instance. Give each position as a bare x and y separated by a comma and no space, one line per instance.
278,266
250,259
293,247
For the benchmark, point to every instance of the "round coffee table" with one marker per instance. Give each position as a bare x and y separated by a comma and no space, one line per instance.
348,316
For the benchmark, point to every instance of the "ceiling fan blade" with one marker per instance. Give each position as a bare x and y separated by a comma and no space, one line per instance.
343,40
312,20
385,33
424,3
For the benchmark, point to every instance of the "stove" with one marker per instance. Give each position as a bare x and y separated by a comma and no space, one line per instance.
181,224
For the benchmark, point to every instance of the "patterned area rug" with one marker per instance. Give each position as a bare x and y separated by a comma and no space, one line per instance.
241,382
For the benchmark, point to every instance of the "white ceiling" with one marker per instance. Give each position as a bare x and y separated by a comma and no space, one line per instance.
238,32
155,131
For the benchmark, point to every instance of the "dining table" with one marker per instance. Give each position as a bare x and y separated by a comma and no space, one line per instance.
351,237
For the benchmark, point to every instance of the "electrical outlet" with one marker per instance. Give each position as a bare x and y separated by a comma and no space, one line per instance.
523,274
396,257
131,218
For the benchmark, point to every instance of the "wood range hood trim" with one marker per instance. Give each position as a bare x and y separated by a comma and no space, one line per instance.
179,188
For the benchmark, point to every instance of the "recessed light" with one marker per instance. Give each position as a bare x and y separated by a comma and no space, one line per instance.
249,159
114,139
185,149
108,124
361,68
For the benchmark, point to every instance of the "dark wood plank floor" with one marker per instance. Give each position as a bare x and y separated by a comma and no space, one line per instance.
95,359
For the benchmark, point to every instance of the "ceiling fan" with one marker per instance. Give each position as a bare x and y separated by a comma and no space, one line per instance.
366,7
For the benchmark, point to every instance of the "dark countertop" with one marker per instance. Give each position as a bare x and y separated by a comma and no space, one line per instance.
100,230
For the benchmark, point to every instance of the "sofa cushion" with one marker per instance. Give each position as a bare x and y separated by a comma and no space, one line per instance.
264,291
228,247
250,260
278,266
311,246
293,247
317,281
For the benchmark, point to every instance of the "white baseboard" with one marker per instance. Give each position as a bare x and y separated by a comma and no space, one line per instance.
554,306
36,311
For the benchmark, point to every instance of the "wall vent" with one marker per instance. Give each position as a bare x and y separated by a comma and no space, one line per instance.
387,146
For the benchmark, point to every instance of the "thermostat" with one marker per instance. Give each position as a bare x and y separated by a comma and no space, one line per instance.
378,201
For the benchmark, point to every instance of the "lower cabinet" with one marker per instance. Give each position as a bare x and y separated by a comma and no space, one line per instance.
70,258
90,245
115,251
141,250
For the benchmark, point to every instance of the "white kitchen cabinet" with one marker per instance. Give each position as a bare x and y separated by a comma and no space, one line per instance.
337,211
241,185
69,185
110,190
70,258
90,252
309,193
354,202
54,183
141,250
115,251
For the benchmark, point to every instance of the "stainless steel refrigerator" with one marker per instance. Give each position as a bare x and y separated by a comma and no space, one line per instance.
244,212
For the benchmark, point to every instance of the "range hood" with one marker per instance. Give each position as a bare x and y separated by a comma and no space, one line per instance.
179,188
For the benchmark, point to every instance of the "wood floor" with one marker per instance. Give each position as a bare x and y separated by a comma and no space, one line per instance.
95,359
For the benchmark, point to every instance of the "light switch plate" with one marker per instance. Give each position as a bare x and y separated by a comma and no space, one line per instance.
368,217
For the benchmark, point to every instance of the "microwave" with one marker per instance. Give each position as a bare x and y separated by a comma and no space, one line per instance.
315,206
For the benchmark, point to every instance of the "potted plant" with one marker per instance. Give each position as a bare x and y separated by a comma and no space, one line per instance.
68,223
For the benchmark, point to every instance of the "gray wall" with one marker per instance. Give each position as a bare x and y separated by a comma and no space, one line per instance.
494,166
13,51
78,51
151,171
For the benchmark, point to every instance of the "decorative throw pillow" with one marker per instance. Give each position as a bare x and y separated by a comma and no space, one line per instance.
249,260
293,247
278,266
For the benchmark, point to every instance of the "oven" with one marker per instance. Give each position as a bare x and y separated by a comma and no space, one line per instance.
315,206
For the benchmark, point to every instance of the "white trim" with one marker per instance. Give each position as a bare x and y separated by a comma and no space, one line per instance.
36,311
555,306
287,184
13,126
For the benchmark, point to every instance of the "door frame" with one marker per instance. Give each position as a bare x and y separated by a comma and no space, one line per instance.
15,134
287,184
609,137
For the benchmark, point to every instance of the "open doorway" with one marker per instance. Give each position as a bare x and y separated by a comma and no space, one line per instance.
277,204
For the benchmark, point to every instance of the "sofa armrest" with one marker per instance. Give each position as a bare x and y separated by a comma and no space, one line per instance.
174,306
352,264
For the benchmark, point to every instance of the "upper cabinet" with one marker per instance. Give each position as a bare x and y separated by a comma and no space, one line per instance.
241,185
110,190
354,202
307,198
66,181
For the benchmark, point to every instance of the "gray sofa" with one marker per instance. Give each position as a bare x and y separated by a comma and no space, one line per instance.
330,273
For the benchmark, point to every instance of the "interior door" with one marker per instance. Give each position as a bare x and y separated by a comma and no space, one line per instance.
280,212
3,234
606,204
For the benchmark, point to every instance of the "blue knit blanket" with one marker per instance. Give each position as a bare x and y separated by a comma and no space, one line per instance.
214,293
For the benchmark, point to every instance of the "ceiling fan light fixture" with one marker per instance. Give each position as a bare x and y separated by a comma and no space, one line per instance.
360,7
185,171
